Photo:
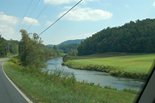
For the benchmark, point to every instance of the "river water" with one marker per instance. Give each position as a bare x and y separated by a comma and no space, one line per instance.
98,78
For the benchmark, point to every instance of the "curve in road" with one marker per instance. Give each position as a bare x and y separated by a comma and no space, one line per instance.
8,93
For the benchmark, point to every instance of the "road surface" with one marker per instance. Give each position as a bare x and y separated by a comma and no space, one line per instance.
8,93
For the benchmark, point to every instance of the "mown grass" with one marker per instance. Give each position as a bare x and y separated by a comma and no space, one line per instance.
132,66
43,88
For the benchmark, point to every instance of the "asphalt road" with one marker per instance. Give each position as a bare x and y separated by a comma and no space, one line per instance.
8,94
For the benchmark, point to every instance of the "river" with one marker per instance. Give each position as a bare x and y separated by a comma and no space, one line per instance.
98,78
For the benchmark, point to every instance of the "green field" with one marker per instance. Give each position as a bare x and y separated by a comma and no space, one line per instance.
43,88
134,66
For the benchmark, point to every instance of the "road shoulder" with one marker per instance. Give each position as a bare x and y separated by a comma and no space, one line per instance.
22,94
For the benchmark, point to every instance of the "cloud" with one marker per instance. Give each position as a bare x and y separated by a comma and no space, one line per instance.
87,1
30,21
7,19
8,24
87,14
154,3
62,2
58,2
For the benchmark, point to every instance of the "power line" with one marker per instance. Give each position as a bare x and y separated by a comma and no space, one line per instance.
42,10
31,13
31,8
26,12
60,17
35,7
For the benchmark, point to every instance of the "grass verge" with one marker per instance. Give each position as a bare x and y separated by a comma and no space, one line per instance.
129,66
43,88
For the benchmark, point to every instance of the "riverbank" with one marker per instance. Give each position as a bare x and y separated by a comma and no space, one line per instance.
128,66
95,77
54,88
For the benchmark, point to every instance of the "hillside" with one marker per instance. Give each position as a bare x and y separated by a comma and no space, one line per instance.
8,47
132,37
69,45
67,42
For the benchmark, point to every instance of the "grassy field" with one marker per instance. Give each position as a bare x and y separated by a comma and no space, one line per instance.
43,88
134,66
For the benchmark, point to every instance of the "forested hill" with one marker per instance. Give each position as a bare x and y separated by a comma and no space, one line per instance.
8,47
132,37
69,45
77,41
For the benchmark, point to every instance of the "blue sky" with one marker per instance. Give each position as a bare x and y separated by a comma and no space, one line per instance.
87,18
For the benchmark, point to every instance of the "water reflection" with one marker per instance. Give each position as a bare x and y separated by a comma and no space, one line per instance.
98,78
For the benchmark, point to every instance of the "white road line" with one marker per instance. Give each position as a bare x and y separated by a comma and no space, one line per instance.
24,96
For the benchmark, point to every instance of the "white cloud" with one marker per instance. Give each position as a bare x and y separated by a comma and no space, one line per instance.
61,2
30,21
8,24
58,2
7,19
87,14
87,1
154,3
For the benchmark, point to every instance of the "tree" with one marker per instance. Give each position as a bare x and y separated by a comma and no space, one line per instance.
3,47
31,50
132,37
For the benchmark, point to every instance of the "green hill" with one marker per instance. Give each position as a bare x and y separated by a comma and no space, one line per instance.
69,45
132,37
67,42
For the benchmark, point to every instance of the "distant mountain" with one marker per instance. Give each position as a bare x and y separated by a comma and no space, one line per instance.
76,41
69,45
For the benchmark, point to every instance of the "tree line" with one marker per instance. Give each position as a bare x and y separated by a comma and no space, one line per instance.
32,52
132,37
8,47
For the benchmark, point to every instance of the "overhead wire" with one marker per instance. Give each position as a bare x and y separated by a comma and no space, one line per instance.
32,12
26,13
32,8
26,10
60,18
37,17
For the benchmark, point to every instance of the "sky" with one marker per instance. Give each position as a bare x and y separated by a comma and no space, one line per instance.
89,17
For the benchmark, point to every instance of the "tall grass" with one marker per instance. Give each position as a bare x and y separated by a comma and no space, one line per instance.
54,88
130,66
